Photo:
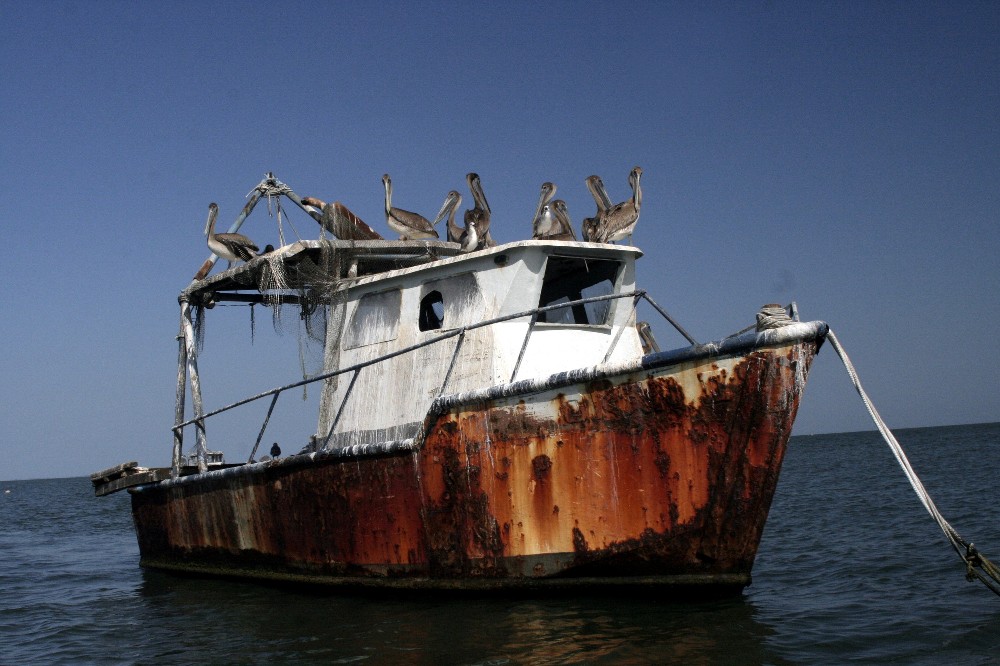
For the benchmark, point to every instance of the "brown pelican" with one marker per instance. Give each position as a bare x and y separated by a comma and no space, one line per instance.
619,221
231,247
544,223
646,338
596,187
410,226
341,222
565,227
480,215
468,237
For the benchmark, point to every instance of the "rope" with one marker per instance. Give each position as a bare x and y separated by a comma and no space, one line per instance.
976,565
772,315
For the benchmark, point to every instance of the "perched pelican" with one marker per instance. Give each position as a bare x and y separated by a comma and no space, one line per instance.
619,221
480,215
341,222
410,226
468,237
544,223
596,187
564,231
646,338
231,247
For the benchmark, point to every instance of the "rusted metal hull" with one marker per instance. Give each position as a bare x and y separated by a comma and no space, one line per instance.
656,473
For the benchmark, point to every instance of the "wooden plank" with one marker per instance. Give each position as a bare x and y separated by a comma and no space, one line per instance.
138,478
106,474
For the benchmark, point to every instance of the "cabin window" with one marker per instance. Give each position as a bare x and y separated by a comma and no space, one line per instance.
432,311
572,278
450,303
375,319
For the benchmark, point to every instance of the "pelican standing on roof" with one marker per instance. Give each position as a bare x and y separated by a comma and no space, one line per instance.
409,226
342,222
619,221
596,187
468,237
564,229
544,223
480,215
231,247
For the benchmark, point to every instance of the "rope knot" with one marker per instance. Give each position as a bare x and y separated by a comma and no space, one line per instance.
972,560
772,315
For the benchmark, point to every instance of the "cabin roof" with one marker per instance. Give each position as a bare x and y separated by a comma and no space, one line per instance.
366,261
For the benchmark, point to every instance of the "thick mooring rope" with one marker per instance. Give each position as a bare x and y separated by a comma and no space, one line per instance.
976,566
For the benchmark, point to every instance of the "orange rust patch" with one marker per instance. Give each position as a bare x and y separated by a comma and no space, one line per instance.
633,468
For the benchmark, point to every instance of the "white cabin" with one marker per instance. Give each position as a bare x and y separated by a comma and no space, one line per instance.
389,311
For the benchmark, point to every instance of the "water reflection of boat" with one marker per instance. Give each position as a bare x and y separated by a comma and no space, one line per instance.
488,420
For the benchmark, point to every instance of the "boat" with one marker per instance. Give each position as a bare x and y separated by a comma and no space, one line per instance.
488,420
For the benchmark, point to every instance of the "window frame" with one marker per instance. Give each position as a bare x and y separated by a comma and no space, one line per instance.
614,278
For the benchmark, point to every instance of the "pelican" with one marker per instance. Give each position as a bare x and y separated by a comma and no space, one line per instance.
544,223
231,247
468,237
480,215
341,222
565,228
646,338
410,226
619,221
596,187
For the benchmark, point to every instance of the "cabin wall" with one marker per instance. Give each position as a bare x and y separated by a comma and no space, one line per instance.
389,401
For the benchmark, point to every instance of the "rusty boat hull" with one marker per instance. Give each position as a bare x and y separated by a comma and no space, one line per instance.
657,472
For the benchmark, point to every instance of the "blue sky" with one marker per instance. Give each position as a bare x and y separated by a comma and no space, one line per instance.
842,155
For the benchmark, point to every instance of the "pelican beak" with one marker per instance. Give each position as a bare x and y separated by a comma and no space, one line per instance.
450,203
213,210
541,204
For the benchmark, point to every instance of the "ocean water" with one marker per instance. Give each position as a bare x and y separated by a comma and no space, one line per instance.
851,570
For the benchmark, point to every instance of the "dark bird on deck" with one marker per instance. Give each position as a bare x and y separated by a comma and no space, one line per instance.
480,215
619,221
467,237
409,226
341,222
231,247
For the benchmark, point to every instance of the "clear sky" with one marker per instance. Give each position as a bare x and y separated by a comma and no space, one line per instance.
842,155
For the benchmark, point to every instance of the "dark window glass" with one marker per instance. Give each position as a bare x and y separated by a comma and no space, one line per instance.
432,311
572,278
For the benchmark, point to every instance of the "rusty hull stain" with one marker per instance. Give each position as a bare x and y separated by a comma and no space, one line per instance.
626,479
633,478
341,519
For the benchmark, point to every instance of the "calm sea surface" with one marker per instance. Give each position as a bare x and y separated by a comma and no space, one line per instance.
851,569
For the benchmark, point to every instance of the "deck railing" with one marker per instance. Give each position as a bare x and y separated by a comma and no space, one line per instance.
187,352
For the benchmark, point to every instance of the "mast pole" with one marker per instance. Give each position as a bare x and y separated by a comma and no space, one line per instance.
175,468
192,368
